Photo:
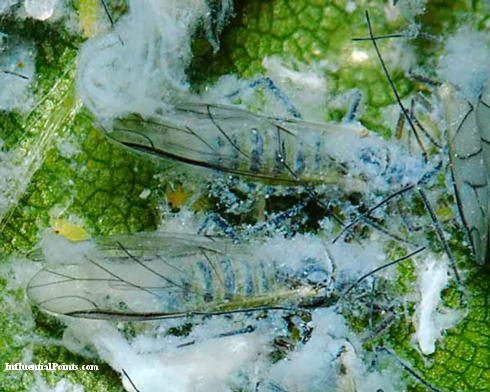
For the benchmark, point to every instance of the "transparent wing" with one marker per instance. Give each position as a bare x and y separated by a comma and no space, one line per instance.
237,141
469,170
164,275
483,120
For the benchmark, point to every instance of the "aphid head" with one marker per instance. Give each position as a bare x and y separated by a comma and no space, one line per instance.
315,274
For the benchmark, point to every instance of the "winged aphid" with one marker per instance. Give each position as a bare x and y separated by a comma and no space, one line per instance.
288,151
165,275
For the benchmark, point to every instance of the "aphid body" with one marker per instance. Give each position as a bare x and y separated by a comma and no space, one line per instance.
287,151
163,275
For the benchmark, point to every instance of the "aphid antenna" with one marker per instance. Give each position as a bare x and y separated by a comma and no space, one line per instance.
379,37
130,381
426,177
13,73
484,104
380,268
393,88
409,35
372,209
440,234
408,369
37,148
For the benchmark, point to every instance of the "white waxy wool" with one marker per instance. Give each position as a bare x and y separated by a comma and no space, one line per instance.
465,62
139,66
17,67
433,279
40,9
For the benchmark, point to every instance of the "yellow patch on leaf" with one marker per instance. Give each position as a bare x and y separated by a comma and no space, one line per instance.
89,12
69,230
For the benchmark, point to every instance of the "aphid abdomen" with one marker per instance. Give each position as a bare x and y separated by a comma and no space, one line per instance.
236,141
257,153
207,281
228,278
164,275
244,275
280,156
300,164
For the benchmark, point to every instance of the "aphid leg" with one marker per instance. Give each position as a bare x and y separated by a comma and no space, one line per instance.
13,73
394,90
130,381
400,125
440,234
413,103
372,294
424,79
405,218
374,271
353,110
384,231
276,219
270,387
219,222
241,331
299,324
269,84
408,369
378,329
365,217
